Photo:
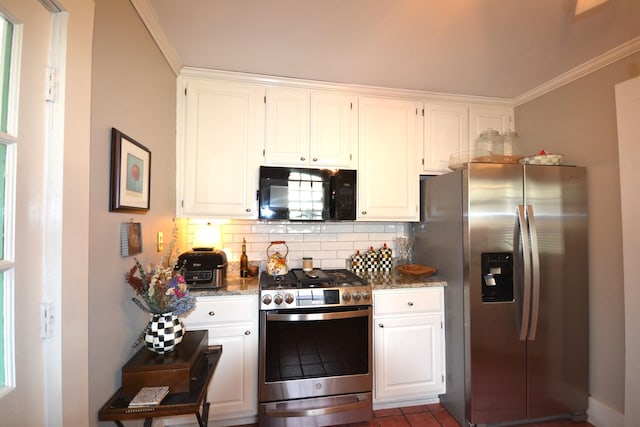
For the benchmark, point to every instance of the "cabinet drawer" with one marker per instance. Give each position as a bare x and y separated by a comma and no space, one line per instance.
405,302
217,310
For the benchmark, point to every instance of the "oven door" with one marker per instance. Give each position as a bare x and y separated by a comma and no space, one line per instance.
315,352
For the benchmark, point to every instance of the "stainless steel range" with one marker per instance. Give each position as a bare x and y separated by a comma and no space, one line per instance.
315,349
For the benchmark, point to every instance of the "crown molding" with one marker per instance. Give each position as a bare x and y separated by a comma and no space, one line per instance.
150,20
615,54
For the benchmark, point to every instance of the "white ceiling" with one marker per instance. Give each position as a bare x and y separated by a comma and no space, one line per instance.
500,48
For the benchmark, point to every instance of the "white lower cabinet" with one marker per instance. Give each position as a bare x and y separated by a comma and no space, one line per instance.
408,346
232,321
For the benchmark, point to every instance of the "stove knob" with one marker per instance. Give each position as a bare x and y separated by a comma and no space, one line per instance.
288,298
356,296
266,300
346,296
277,299
366,296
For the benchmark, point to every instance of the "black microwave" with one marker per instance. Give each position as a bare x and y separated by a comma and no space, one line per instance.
303,194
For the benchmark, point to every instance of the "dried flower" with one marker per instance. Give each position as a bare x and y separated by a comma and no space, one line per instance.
162,288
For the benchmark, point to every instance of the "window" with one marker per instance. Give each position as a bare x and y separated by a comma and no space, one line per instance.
8,114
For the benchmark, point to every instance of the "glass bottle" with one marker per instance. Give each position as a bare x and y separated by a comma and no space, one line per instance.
244,260
509,144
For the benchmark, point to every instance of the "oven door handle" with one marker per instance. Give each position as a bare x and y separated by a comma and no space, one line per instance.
362,401
306,317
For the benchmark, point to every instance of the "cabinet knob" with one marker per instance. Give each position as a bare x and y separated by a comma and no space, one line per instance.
212,313
410,304
364,212
381,325
247,332
315,159
248,209
303,158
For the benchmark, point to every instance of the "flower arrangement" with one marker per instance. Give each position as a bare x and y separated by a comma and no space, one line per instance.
161,288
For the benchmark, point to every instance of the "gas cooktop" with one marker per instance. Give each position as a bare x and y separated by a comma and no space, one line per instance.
317,288
299,279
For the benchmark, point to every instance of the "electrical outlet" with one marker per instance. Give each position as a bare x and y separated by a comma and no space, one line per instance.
160,241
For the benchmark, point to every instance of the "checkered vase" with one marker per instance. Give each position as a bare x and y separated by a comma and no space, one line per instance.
164,333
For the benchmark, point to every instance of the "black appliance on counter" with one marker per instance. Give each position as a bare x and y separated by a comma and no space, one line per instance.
204,268
307,194
315,349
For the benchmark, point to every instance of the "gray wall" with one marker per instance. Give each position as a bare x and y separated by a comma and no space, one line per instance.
579,121
134,91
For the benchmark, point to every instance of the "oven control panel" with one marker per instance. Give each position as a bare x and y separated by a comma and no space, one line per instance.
315,297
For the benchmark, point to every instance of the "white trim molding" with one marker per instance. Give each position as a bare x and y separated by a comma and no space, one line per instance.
150,20
602,415
616,54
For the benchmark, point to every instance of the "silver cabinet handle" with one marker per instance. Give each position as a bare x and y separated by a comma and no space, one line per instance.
247,332
315,159
303,158
410,304
248,209
381,325
364,212
212,313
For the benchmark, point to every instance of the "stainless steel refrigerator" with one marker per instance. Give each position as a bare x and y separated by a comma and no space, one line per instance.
511,242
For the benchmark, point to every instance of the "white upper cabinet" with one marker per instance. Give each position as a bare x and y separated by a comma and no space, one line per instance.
220,138
482,118
334,130
310,128
446,131
389,131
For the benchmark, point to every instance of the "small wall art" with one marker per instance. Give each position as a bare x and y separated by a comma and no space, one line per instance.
130,238
130,174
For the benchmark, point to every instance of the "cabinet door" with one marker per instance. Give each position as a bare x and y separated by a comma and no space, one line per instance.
387,153
446,131
218,153
408,358
333,137
233,391
287,127
483,118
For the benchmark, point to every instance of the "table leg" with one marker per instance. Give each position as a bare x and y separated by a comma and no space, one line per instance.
147,422
118,423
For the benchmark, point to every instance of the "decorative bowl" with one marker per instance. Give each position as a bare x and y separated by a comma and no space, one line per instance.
415,269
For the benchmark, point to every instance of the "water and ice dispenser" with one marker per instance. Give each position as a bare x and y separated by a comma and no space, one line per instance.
497,277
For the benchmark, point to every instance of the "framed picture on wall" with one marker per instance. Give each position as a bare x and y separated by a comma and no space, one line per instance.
130,174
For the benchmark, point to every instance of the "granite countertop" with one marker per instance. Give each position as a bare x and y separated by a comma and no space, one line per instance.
390,280
235,286
395,280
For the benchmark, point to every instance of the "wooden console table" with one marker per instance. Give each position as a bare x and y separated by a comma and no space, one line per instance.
192,402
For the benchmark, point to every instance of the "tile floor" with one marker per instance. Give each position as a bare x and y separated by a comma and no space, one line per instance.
434,416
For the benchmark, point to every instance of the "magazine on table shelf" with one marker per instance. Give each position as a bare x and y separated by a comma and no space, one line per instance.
149,396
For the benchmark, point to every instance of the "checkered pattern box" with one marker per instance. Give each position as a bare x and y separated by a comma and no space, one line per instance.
174,369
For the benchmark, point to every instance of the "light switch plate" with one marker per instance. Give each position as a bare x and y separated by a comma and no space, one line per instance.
160,241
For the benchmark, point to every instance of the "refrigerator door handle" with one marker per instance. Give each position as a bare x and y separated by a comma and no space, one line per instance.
526,255
535,267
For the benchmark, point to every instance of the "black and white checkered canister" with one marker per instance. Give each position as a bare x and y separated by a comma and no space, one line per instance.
384,258
164,333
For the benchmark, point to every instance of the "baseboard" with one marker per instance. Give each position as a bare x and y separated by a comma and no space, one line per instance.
404,403
601,415
190,421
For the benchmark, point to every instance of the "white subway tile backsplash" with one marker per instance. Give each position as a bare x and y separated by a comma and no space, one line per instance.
337,228
306,228
369,227
330,244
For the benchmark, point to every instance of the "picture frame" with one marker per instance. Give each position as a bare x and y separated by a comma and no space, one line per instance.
130,238
130,185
